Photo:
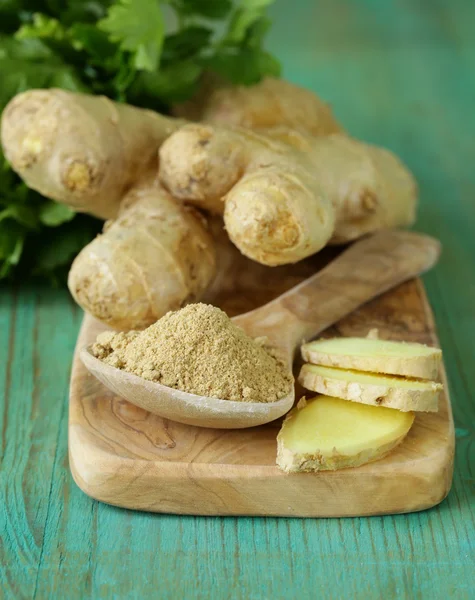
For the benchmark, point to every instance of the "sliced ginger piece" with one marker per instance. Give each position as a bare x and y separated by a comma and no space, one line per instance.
377,356
372,388
325,434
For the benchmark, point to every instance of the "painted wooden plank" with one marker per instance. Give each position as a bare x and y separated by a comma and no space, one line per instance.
399,73
43,324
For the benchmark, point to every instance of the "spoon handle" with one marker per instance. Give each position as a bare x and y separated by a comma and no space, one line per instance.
365,270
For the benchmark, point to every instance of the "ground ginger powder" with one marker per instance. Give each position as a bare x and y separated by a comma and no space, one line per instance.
199,350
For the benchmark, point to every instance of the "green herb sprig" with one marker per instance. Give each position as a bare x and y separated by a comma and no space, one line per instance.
146,52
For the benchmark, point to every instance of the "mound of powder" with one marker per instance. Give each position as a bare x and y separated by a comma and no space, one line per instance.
199,350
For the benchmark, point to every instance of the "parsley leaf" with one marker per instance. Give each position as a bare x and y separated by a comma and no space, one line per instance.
246,67
173,83
211,9
64,243
138,27
12,239
244,17
185,43
118,48
53,214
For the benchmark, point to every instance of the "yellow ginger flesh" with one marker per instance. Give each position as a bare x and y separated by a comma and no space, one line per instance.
327,433
378,356
372,388
371,378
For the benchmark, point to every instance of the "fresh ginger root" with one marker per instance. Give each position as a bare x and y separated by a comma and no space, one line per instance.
372,388
286,194
155,257
94,155
326,433
89,152
376,356
270,103
81,150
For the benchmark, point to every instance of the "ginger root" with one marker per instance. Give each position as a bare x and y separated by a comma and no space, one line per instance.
372,388
94,155
155,257
326,433
270,103
81,150
377,356
286,194
87,151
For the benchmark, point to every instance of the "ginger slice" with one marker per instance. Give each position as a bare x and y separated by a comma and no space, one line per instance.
372,388
376,356
325,434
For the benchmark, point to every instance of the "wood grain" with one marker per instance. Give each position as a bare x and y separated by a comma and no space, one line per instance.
123,455
360,273
399,74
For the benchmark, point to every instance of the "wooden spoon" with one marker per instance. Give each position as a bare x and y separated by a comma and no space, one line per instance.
368,268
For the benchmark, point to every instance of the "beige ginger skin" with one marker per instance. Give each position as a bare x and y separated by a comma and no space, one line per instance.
92,154
286,194
81,150
87,151
270,103
155,257
282,202
95,155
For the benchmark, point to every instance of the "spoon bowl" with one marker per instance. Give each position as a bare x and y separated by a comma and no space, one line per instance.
365,270
183,407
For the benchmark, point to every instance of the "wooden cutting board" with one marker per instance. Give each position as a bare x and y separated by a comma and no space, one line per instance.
122,455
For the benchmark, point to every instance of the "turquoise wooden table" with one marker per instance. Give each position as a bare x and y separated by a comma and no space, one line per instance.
397,73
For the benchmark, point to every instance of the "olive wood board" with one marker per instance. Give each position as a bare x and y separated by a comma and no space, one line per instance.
122,455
